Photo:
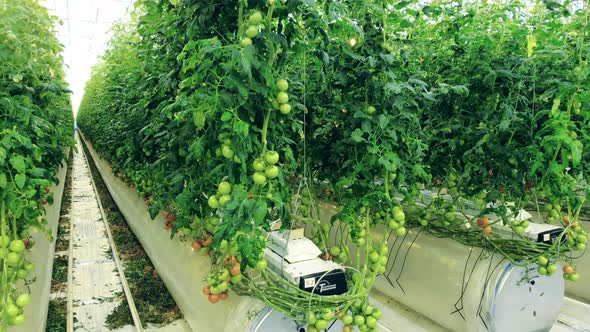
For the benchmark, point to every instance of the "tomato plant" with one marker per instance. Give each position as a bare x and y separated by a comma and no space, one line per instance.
35,130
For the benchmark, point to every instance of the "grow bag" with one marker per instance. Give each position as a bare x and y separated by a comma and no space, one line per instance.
42,256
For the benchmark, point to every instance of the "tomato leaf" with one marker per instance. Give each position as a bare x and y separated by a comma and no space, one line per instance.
18,163
20,180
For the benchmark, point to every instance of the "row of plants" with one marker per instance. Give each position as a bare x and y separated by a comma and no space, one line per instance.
230,118
36,127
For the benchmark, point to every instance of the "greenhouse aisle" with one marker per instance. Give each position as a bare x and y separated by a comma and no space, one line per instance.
95,283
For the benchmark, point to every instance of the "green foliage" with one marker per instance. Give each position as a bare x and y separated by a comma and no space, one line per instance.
486,106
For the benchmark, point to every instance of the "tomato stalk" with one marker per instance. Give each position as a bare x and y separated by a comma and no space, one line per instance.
387,194
265,130
241,18
368,241
4,265
271,56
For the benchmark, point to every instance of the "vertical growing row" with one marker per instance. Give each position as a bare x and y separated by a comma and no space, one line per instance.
36,127
231,118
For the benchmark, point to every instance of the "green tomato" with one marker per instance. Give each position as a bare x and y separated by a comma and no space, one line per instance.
224,188
227,152
22,273
23,300
374,257
393,224
224,199
213,202
359,320
311,328
347,319
18,320
542,260
223,275
30,267
519,230
255,18
213,220
237,279
401,231
383,260
12,310
321,324
578,247
285,109
12,259
574,276
259,165
311,318
252,31
282,97
271,171
261,265
368,310
17,246
342,257
423,222
271,157
398,214
371,322
371,110
223,286
328,315
582,239
542,271
551,268
283,85
377,313
383,249
246,42
5,240
259,178
335,251
449,216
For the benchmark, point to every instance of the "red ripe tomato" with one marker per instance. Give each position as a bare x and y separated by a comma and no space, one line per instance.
207,242
235,270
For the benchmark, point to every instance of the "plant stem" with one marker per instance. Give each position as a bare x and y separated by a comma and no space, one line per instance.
386,181
3,327
265,130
